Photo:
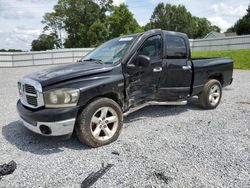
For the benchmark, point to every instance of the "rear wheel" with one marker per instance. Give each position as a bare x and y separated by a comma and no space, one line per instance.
211,94
100,123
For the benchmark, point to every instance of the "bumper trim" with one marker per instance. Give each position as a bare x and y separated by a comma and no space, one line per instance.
58,128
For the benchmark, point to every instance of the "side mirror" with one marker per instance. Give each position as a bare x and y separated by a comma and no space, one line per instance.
138,65
142,61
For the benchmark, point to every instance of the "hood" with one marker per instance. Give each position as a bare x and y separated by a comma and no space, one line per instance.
62,73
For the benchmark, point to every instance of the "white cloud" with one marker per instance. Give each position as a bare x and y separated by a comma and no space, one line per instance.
21,19
219,21
182,2
19,38
141,23
17,9
118,2
17,14
27,31
227,10
21,22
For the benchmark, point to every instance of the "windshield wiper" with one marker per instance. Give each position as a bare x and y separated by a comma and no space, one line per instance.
92,59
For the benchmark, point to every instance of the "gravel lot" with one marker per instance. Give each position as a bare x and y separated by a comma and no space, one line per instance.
181,146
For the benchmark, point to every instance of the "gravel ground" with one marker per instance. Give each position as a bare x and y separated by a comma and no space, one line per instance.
181,146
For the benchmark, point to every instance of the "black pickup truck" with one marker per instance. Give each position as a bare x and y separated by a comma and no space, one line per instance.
120,76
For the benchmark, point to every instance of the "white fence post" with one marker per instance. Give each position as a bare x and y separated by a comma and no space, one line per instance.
52,56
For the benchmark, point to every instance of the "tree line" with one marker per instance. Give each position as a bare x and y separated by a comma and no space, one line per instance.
242,26
88,23
10,50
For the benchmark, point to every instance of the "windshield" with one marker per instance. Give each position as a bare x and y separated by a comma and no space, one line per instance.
111,51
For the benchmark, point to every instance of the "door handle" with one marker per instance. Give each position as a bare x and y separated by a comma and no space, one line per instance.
188,67
157,69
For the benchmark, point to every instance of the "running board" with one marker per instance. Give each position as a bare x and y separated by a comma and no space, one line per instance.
155,103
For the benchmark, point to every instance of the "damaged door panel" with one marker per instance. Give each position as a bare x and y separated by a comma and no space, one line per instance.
142,85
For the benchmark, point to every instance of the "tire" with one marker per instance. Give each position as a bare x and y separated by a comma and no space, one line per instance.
211,94
99,123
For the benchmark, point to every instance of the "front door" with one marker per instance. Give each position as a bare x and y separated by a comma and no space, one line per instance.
142,85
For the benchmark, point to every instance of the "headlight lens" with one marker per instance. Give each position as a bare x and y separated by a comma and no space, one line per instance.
61,98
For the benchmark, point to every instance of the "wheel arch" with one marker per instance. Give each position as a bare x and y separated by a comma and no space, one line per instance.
217,76
118,98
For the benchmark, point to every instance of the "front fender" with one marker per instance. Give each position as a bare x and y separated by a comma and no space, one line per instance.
95,85
101,86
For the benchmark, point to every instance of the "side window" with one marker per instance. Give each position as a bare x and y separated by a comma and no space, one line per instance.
152,47
176,47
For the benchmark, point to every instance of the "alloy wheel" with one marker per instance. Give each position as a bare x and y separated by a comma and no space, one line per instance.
104,123
214,95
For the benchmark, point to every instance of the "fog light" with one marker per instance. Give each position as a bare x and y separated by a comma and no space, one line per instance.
45,129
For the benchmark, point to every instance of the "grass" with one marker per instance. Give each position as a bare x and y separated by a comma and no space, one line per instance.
241,57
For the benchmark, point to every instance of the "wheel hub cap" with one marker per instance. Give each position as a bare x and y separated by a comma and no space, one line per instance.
214,95
104,123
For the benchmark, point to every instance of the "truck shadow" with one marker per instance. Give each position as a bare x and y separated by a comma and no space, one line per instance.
16,134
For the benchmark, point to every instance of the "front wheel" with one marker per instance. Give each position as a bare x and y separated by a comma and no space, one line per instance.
100,123
211,94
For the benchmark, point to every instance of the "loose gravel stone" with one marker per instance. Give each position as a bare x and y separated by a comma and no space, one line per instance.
185,146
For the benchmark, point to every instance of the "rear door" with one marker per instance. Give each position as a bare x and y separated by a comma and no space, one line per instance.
176,78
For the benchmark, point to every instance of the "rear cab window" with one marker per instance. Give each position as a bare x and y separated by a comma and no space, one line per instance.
176,47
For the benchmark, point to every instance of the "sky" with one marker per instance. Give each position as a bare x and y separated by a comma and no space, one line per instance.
20,20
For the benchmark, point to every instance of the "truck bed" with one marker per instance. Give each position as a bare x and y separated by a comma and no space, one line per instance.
209,68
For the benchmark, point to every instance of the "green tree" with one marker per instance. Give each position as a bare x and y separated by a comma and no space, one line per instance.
75,17
97,33
86,22
78,17
242,26
230,30
200,28
172,17
216,28
148,26
177,18
122,22
54,24
44,42
10,50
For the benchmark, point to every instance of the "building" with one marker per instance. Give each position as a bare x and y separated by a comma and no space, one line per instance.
214,34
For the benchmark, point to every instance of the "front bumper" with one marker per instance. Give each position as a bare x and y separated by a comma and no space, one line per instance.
48,122
57,128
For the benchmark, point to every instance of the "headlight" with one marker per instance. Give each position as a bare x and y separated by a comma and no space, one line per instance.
61,98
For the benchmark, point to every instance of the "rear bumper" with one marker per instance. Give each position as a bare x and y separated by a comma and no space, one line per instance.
48,122
228,82
231,81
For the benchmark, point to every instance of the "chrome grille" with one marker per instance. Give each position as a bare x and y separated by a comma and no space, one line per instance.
32,100
30,93
29,89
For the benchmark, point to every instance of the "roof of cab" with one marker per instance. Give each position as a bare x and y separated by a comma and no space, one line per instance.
152,31
166,32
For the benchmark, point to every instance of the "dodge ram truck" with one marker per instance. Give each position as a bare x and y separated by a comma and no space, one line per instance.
120,76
